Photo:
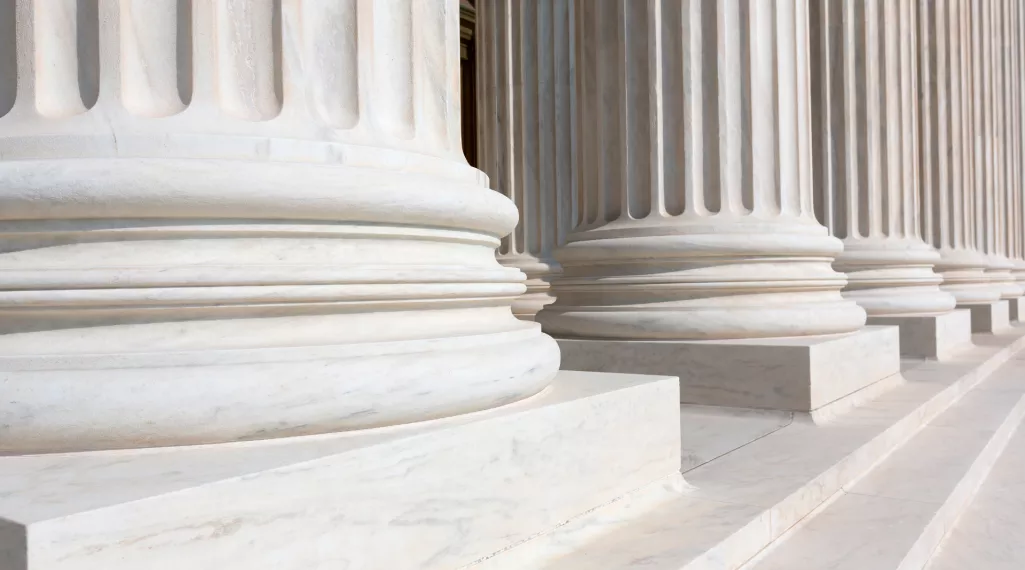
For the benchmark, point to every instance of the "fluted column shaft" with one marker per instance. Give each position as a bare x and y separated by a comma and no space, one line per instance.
695,218
1015,228
990,214
526,147
228,220
864,74
947,155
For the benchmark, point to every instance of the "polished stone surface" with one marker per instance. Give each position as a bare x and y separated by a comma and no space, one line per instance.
737,504
262,225
450,492
896,515
940,337
796,374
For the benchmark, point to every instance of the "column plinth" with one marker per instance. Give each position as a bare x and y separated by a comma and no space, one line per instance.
228,222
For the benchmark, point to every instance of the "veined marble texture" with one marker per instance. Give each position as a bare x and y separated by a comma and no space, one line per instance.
436,495
236,220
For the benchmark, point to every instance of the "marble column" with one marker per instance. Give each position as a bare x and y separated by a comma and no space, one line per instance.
695,220
994,211
1016,30
948,156
235,220
867,179
525,77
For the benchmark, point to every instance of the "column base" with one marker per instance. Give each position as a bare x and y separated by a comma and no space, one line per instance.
939,337
798,374
990,317
436,495
1017,310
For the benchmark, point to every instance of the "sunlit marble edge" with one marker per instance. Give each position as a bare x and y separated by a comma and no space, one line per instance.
723,534
578,531
588,424
988,534
917,536
798,374
568,386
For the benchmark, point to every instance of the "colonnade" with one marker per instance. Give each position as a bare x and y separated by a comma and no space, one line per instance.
779,169
236,220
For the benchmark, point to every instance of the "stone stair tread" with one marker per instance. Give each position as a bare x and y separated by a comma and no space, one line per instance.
731,510
896,515
989,533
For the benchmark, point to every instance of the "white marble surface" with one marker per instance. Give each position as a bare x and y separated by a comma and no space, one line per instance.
897,514
940,337
989,533
449,492
795,374
709,432
737,504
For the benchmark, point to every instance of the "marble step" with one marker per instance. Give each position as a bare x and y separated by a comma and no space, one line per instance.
989,534
741,495
895,517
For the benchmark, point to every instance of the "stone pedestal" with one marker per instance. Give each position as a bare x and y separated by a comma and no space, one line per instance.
796,374
990,317
434,496
1016,312
940,338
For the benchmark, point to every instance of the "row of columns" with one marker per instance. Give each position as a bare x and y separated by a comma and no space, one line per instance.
236,220
766,169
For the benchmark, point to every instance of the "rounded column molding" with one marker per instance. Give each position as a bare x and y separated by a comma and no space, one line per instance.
236,220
